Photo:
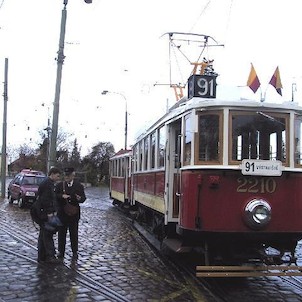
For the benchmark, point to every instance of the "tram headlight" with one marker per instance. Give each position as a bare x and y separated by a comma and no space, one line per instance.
257,213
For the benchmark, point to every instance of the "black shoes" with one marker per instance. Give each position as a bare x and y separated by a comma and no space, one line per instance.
74,256
52,260
60,256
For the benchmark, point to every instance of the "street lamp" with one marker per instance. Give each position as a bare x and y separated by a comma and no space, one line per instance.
60,61
104,92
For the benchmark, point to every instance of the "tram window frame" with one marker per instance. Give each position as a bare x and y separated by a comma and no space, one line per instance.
140,153
161,141
146,145
298,140
188,139
219,147
114,168
135,157
153,150
282,151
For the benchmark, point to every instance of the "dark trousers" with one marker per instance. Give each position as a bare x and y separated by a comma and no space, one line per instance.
46,247
73,227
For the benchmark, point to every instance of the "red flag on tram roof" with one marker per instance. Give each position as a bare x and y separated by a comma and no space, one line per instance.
253,81
276,81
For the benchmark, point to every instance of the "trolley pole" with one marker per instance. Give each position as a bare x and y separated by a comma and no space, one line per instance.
4,130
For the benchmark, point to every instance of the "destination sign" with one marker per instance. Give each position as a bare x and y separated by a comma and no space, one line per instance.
203,86
261,167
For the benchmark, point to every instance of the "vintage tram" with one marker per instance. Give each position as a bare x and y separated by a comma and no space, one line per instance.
220,176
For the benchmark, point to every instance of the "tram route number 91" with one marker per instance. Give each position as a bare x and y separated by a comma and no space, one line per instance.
202,86
256,185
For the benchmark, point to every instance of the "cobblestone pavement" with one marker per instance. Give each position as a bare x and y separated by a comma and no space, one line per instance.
115,263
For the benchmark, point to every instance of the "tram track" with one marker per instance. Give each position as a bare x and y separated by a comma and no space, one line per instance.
188,273
221,289
293,282
79,277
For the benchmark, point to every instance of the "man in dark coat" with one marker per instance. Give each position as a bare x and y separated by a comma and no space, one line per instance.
47,200
70,193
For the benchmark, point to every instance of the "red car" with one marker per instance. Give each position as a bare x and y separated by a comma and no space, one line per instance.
24,187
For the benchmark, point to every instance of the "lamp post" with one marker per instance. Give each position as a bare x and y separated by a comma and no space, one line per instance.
56,104
104,92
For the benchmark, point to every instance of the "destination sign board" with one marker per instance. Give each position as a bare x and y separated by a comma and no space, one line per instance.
261,167
203,86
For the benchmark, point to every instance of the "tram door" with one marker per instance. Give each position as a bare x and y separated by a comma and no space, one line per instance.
173,169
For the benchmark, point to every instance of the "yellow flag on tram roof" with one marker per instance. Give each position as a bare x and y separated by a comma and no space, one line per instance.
253,80
276,81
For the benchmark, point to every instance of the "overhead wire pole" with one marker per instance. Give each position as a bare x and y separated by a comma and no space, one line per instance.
56,105
4,130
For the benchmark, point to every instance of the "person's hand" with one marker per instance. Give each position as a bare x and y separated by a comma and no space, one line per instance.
65,196
78,197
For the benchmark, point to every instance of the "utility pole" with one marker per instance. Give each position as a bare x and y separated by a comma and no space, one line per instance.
4,130
56,105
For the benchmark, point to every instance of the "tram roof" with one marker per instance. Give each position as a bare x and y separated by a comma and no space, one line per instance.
121,153
197,103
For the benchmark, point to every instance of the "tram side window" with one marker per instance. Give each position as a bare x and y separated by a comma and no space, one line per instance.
123,165
135,157
120,166
146,152
188,139
112,168
298,143
115,167
152,155
258,135
161,146
209,137
140,159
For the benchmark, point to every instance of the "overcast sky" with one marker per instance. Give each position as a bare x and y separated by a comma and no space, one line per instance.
117,46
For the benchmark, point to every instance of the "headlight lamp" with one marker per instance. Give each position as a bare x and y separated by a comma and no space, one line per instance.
257,213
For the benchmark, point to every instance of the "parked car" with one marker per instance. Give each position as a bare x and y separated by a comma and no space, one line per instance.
24,187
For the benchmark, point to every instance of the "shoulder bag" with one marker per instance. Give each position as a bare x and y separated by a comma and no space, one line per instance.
69,208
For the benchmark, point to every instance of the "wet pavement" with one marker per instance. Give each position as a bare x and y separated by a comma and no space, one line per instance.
115,263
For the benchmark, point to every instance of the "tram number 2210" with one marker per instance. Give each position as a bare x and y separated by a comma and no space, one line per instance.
256,185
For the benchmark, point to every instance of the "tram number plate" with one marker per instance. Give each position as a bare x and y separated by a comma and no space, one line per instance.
261,167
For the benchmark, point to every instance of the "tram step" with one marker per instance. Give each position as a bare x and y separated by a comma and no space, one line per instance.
248,271
176,245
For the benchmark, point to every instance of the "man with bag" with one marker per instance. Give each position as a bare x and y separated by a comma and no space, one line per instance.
49,221
70,193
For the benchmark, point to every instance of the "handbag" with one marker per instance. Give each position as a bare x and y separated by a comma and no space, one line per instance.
69,208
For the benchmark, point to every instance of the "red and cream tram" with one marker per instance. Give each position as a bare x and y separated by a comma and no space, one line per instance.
221,176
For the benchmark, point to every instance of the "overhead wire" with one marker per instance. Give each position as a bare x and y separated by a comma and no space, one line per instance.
202,12
1,4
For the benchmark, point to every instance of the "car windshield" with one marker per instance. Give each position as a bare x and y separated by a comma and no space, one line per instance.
32,180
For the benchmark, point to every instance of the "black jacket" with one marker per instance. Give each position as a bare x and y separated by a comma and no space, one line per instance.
76,189
47,196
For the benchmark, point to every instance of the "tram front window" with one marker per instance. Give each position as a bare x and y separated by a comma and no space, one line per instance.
209,137
258,135
298,143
